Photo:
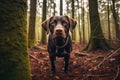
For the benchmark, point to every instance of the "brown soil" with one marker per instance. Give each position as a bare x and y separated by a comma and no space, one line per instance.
82,65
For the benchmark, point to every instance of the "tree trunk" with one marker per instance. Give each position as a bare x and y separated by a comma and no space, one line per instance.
61,7
79,30
14,61
67,7
73,32
116,20
43,41
32,19
109,33
97,40
54,9
88,21
83,26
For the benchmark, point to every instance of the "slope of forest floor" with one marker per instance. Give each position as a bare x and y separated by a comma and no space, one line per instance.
82,65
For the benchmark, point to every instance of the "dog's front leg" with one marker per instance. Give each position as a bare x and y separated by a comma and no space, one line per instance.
52,60
66,59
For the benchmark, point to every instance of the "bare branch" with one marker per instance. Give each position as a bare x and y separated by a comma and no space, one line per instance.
106,58
118,71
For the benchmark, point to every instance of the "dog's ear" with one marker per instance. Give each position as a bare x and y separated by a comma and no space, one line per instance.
45,24
72,22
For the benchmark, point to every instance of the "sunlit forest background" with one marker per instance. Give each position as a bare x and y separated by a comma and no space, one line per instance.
95,39
109,13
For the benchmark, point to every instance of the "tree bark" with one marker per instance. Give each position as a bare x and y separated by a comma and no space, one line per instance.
97,40
83,22
43,41
61,7
32,20
54,8
73,32
116,20
109,33
14,61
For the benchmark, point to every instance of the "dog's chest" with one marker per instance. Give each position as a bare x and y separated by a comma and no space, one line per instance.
60,52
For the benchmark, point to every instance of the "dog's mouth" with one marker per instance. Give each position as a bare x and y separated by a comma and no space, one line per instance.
59,40
59,36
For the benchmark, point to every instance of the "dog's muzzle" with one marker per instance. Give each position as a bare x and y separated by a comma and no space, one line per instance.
59,32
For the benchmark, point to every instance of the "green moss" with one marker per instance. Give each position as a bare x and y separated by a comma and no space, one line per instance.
31,43
14,61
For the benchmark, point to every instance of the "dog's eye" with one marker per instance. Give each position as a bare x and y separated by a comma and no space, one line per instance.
53,23
64,23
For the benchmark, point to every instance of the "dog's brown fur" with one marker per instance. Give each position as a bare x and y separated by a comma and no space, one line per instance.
59,41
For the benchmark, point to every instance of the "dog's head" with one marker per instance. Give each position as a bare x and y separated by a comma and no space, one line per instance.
59,26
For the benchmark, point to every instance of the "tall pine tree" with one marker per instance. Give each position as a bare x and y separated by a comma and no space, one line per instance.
97,40
43,41
32,18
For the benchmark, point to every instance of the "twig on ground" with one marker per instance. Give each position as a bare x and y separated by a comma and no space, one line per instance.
91,76
34,58
81,54
118,71
97,57
105,58
99,75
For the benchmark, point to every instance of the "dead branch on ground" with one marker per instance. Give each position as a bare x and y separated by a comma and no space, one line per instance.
34,58
118,72
106,58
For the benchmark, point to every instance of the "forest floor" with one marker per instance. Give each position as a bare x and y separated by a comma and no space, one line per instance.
83,65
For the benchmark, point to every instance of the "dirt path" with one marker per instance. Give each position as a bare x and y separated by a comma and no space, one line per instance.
81,67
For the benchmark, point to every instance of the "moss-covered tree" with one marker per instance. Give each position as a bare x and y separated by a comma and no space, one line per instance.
43,40
97,40
14,61
32,19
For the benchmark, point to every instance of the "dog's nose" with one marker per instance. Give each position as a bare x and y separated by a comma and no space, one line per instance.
59,31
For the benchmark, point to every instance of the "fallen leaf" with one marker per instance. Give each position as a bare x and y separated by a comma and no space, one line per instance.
57,77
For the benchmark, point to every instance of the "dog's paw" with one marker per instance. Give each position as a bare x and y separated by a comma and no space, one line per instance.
67,71
53,71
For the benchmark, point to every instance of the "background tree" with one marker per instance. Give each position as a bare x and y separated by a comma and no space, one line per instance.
79,30
73,10
32,20
116,20
97,40
68,7
83,24
61,7
51,8
43,39
108,9
14,62
81,14
54,7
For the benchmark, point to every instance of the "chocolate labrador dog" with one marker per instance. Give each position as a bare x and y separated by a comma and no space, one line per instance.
59,41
